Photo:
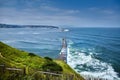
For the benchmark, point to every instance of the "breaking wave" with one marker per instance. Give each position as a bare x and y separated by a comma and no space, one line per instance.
88,65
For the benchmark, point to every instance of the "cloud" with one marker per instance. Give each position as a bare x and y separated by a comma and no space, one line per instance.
49,8
102,10
47,15
58,10
31,17
93,8
43,12
108,11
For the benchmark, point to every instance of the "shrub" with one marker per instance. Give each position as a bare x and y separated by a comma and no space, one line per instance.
48,58
52,67
31,54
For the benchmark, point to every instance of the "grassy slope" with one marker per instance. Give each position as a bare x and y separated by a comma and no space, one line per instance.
13,57
16,58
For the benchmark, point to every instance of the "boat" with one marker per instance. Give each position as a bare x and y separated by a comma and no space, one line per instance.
63,52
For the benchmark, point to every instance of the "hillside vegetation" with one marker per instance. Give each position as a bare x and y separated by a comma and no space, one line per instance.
16,64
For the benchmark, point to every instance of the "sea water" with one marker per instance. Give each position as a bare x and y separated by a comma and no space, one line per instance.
91,51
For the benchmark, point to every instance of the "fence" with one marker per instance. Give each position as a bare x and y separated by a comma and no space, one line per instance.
8,73
20,74
40,75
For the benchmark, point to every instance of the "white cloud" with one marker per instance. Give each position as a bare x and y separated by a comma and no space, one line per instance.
58,10
93,8
47,15
102,10
49,8
107,11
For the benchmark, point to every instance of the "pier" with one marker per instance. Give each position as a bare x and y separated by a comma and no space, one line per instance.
63,52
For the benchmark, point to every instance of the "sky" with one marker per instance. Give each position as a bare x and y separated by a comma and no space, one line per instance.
73,13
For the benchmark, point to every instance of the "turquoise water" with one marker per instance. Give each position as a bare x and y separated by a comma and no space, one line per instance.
92,51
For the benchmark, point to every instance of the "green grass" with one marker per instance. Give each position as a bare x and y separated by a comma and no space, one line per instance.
13,57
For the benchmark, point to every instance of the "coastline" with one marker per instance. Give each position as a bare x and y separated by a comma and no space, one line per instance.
14,58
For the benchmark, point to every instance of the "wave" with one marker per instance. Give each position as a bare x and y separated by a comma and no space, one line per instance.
89,65
42,42
28,42
98,36
103,45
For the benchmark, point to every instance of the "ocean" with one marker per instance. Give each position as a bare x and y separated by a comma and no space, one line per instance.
91,51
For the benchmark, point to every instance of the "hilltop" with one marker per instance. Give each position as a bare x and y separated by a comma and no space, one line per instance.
26,26
31,64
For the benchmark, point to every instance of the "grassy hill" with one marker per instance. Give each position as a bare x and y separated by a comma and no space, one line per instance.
30,64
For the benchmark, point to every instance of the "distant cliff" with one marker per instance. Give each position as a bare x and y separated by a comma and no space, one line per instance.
26,26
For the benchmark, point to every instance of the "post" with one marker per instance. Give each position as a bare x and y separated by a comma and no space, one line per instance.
2,68
25,70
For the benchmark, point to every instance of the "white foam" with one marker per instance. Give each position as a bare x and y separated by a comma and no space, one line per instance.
77,60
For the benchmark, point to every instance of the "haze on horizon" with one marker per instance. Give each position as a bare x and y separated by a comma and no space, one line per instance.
73,13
